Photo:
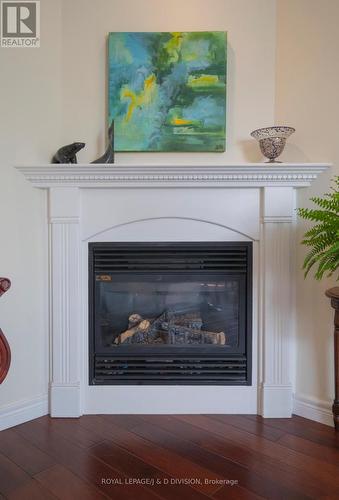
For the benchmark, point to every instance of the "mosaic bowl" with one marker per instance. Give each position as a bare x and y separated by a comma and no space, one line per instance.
272,141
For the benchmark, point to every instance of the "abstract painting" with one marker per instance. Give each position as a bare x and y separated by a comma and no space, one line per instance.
167,91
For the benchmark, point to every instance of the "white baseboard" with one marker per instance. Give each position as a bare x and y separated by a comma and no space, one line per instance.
153,399
65,400
23,411
313,409
276,401
28,409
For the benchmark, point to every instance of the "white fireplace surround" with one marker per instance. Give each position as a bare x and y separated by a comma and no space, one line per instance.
145,203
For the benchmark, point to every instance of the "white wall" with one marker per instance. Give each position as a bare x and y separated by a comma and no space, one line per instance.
307,98
29,132
251,53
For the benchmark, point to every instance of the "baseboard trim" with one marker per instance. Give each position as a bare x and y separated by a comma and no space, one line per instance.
65,400
28,409
23,411
188,399
313,409
276,401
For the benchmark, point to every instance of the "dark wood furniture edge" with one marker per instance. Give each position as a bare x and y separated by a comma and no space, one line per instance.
5,351
5,357
333,294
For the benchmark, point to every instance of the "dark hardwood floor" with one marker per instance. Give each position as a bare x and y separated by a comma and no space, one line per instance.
169,457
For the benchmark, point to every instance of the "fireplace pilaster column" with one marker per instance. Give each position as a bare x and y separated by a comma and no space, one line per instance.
64,207
276,245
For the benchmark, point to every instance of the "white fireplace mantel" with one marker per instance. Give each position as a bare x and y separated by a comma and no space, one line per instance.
139,202
178,175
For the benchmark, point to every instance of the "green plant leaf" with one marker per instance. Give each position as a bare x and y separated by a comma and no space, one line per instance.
323,237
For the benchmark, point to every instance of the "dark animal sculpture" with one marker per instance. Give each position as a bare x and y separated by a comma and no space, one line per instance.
5,352
108,156
67,154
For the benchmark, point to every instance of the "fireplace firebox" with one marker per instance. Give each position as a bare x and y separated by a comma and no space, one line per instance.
170,313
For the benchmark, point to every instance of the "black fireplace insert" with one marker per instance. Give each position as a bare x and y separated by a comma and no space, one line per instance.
170,313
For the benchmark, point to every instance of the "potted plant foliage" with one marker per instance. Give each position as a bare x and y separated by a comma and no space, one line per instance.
323,255
323,237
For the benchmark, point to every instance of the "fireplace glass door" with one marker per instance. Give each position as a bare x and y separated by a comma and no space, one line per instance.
173,310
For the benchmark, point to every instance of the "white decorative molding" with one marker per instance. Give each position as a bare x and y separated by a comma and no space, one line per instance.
64,220
313,409
23,411
65,276
277,288
141,175
277,219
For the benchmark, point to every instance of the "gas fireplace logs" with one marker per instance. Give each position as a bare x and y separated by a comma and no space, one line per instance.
179,326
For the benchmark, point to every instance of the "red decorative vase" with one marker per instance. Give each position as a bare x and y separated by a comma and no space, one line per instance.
5,352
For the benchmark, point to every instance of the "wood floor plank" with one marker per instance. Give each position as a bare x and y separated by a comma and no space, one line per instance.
11,476
78,461
319,451
327,474
67,486
325,436
253,426
169,462
21,452
31,490
235,493
128,422
276,470
327,429
70,429
131,465
296,421
248,478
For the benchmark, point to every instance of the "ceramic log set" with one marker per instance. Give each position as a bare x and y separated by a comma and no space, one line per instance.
272,141
5,352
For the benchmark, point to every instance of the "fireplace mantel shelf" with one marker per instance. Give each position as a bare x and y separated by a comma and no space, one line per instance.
173,175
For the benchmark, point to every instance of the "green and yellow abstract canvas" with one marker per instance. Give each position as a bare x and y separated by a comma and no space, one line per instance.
167,91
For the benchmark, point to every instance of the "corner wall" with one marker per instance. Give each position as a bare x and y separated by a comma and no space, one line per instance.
29,133
307,82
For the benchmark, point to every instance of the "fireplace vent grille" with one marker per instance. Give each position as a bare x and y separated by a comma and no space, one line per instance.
161,369
184,257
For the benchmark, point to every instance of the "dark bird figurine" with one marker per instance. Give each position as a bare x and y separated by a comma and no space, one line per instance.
67,154
108,156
